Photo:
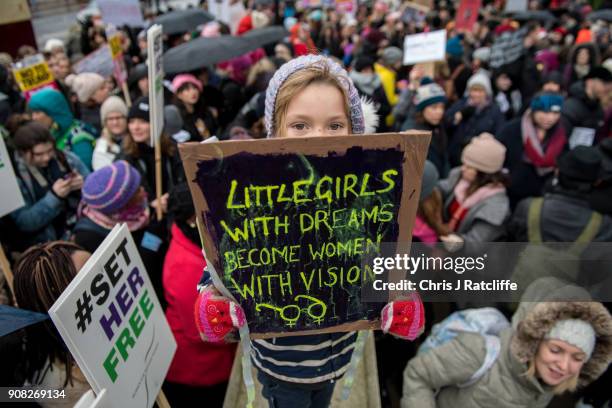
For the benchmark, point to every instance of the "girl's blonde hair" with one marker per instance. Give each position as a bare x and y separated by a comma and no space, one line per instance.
296,83
568,385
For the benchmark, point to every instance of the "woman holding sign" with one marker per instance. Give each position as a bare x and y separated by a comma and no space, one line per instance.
308,96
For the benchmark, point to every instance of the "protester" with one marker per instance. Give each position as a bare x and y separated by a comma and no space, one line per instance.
50,108
91,90
602,190
199,370
472,115
50,181
582,59
558,341
475,201
565,212
311,95
583,109
197,119
113,116
41,275
533,142
429,114
368,84
138,152
508,100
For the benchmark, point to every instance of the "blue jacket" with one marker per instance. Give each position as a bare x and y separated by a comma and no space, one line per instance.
36,216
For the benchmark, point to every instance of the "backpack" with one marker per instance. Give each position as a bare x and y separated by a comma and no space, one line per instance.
487,321
534,262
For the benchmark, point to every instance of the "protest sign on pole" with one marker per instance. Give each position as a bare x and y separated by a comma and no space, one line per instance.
121,12
33,74
119,70
112,323
12,199
156,101
100,61
289,241
424,47
467,14
507,48
9,189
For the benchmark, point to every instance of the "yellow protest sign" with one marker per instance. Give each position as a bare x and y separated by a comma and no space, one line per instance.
115,46
33,76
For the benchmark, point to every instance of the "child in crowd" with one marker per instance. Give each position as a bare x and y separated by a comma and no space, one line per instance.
308,96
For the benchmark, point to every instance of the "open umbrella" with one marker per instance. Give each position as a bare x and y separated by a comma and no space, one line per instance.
543,16
265,35
204,51
182,21
605,14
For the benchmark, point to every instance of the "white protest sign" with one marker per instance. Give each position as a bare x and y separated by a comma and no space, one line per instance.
424,47
100,61
156,81
515,5
581,136
112,323
121,12
9,189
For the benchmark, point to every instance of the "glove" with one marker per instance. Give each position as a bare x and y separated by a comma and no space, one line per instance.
404,318
216,316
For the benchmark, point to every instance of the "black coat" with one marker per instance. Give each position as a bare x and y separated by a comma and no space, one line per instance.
524,178
580,110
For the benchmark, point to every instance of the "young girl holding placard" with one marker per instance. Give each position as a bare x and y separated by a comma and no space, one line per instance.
308,96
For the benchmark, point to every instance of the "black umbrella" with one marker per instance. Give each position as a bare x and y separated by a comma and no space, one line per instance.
203,52
605,14
182,21
543,16
266,35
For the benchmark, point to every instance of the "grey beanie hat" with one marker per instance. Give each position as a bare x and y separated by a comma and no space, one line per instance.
576,332
288,69
429,180
392,55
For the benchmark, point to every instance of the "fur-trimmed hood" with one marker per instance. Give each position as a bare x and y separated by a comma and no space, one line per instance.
550,300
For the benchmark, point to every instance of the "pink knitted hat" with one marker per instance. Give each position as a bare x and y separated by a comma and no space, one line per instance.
183,79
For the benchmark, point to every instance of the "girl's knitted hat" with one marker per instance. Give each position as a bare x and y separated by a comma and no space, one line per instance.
110,188
285,71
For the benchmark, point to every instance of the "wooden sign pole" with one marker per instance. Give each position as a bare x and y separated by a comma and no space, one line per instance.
158,177
6,269
162,401
126,94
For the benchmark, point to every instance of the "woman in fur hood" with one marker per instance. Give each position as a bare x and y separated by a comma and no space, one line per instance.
557,342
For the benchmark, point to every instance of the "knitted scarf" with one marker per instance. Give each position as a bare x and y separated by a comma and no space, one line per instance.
466,202
135,216
540,156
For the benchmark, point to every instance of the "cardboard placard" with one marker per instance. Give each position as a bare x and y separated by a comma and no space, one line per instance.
507,48
156,81
14,11
9,189
121,12
424,47
33,74
100,61
288,222
112,323
467,14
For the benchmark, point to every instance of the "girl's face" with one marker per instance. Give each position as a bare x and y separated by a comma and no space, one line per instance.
318,110
189,95
143,85
582,58
503,82
42,118
116,123
557,361
101,93
282,52
546,120
139,130
468,173
433,113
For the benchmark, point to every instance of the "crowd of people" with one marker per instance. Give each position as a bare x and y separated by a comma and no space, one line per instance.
520,152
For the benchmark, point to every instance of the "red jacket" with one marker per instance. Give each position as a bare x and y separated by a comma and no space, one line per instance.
195,363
